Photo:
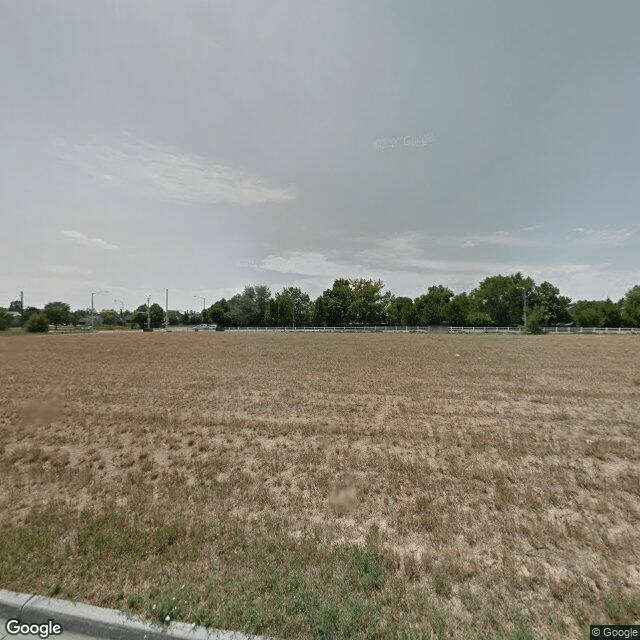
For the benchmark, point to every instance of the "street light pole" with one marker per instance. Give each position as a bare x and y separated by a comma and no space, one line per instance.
166,310
94,293
204,304
121,302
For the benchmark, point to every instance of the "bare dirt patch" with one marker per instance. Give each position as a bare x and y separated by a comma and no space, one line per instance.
497,477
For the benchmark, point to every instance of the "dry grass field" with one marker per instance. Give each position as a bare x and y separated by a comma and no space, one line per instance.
327,486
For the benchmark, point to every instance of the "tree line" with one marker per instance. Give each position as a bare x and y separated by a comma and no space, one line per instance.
501,300
498,301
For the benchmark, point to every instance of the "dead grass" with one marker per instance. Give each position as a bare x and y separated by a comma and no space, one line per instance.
327,485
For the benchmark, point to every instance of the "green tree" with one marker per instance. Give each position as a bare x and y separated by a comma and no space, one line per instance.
458,309
5,319
218,311
556,306
248,308
270,317
293,306
478,319
369,305
237,311
502,297
109,317
319,312
262,300
588,313
631,307
140,316
37,323
29,311
57,313
402,311
76,315
537,317
337,301
611,312
432,308
157,315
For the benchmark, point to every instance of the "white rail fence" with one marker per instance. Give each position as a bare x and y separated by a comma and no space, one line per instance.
433,329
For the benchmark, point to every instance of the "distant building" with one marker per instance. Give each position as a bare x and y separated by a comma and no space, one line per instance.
85,321
16,318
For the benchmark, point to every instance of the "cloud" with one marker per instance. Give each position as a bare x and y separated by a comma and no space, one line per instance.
306,263
408,253
400,262
501,238
86,241
167,174
606,235
412,244
62,270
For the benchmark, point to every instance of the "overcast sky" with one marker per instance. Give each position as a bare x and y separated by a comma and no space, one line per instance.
204,146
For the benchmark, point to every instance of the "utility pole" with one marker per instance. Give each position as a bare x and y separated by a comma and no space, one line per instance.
204,304
121,302
166,310
524,308
94,293
21,303
148,313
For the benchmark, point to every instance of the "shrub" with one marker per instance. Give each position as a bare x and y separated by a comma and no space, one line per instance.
536,319
5,319
479,319
37,323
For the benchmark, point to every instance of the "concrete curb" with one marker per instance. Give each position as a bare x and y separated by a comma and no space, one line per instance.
101,623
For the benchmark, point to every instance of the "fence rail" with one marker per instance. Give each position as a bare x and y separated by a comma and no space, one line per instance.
384,329
432,329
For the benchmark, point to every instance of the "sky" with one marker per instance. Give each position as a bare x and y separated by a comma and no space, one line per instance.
201,147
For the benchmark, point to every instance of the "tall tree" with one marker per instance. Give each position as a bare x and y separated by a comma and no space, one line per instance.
140,316
611,312
157,315
270,317
369,305
631,307
402,311
555,308
319,312
57,313
5,319
432,308
588,313
262,299
503,297
337,301
109,317
293,307
458,310
218,311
